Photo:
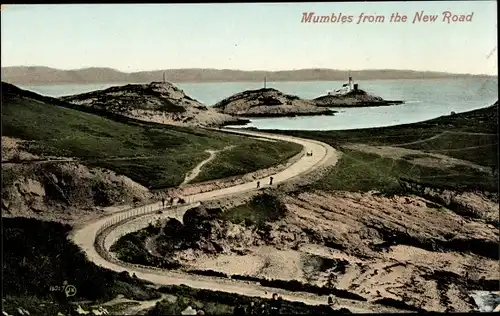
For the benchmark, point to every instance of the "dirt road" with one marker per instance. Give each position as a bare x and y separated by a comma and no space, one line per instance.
196,170
85,235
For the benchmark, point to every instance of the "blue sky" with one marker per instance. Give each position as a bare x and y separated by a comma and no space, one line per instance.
266,36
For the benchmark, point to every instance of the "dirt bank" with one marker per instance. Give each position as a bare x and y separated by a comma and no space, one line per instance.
61,191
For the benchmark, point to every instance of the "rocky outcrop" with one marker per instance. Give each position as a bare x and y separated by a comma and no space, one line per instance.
202,230
60,190
354,98
160,102
268,103
479,205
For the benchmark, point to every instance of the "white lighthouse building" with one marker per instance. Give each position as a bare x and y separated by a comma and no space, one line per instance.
346,87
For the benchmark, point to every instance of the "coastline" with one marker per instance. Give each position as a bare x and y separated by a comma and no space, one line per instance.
230,79
284,115
365,104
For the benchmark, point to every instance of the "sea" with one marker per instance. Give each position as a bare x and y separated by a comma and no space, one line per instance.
424,99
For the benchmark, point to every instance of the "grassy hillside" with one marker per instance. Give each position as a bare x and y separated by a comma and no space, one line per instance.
154,155
470,136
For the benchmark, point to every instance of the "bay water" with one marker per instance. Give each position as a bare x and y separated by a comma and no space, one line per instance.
424,99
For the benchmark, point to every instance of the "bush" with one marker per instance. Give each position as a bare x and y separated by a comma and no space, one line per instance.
398,304
296,286
259,211
209,273
130,248
219,303
38,255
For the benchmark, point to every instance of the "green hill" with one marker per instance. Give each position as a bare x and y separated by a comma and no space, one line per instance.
457,151
154,155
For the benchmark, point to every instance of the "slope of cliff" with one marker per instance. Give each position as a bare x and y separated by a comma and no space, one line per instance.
61,190
159,102
268,103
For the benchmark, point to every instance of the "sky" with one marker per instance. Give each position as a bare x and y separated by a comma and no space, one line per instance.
249,36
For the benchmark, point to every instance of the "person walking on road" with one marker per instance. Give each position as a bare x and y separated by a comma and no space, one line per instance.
271,181
275,308
163,202
258,184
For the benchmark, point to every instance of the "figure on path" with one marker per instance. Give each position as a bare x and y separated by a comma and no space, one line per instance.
275,304
332,301
163,202
271,181
258,184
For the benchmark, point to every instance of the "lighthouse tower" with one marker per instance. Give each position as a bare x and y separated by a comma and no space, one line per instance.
350,82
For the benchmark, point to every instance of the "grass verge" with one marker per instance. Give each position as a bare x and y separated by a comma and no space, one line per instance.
247,156
359,171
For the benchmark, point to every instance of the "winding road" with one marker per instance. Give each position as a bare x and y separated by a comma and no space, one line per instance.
86,234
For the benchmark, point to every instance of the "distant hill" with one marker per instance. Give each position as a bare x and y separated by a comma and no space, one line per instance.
44,75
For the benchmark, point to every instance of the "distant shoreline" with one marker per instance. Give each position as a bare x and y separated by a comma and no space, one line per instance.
42,76
230,81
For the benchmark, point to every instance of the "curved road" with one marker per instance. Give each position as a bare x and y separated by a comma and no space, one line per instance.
85,235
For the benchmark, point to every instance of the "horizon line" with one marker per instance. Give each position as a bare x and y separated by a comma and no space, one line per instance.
241,70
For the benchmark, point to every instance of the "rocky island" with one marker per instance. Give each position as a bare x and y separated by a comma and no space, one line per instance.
351,96
159,102
268,102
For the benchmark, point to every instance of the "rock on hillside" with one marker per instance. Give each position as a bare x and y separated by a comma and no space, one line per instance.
399,247
159,102
62,191
354,98
268,103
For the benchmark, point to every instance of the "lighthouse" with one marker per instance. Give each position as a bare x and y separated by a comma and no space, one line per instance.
350,81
